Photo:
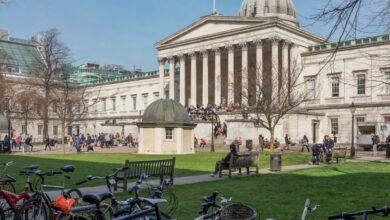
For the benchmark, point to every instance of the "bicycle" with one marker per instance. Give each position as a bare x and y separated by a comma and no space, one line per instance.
306,209
8,204
385,211
211,203
40,206
7,183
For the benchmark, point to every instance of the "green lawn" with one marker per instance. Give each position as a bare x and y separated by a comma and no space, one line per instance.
344,187
101,164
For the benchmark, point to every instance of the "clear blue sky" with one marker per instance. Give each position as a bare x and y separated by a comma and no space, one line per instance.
121,31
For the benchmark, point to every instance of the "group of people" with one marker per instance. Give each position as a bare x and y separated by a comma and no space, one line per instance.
203,113
22,142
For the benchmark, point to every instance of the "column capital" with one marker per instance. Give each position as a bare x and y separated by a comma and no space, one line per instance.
229,46
181,56
286,44
244,45
161,60
171,58
192,54
275,39
204,52
217,50
258,42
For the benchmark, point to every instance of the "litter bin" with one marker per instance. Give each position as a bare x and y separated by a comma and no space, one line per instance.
249,144
276,162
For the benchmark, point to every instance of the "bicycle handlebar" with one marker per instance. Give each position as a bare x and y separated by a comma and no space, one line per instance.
90,177
385,211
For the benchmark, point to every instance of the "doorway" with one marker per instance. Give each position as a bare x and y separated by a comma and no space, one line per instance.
315,130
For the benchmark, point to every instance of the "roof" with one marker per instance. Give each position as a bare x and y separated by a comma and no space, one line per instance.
165,111
350,43
20,57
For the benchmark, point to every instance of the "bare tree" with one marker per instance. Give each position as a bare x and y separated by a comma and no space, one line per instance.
277,94
24,104
51,57
69,104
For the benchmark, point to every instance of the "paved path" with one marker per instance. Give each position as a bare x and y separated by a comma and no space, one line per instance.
188,179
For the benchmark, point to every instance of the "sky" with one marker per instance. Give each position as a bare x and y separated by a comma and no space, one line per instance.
122,32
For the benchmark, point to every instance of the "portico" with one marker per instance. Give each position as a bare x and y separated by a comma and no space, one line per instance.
222,60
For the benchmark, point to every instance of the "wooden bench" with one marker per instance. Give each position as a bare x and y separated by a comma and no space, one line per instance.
152,168
247,160
340,153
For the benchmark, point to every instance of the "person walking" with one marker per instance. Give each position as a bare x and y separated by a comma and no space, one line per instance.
47,143
261,142
305,143
28,144
287,141
375,141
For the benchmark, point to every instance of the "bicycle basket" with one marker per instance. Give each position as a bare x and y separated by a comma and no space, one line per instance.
238,211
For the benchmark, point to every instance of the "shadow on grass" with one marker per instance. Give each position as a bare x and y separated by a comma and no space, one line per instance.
350,187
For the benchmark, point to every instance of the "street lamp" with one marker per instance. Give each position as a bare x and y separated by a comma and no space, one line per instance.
352,107
212,131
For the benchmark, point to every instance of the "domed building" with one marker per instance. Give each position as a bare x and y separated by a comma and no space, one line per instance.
166,128
282,9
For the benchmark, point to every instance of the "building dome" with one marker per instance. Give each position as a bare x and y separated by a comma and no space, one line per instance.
3,124
165,111
283,9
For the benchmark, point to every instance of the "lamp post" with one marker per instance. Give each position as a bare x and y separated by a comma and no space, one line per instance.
352,107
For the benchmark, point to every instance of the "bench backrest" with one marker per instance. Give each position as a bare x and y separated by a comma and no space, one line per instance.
341,152
245,160
153,168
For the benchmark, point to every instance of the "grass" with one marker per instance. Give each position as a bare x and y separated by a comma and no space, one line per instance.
343,187
102,164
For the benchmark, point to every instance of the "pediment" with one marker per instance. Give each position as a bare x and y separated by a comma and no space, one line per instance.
208,26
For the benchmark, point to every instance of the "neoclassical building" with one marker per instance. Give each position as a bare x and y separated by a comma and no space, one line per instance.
220,59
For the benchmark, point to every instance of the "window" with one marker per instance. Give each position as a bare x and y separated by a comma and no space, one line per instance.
113,100
360,119
123,103
55,105
334,126
387,119
86,105
387,80
40,129
169,133
70,130
361,84
335,86
55,130
104,105
156,95
145,97
134,98
310,89
94,105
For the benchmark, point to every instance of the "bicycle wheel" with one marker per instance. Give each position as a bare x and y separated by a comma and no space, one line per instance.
33,209
104,213
2,214
163,216
8,186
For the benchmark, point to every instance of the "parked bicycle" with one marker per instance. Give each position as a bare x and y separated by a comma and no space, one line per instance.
383,212
306,209
210,208
40,206
9,200
6,183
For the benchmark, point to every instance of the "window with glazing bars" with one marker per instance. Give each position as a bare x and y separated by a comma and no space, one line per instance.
361,84
310,89
169,133
335,86
334,126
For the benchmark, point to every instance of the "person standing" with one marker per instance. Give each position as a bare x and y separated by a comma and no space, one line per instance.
375,142
334,140
287,141
261,141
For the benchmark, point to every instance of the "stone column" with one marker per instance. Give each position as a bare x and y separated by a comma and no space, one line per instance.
259,66
161,78
285,60
182,79
230,99
205,78
217,76
244,75
275,62
172,78
193,79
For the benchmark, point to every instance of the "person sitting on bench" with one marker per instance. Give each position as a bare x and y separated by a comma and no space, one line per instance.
225,161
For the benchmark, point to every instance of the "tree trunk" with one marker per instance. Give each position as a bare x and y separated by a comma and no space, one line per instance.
46,112
63,137
272,138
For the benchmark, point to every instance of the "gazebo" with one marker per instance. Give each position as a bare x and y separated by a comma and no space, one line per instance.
166,128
